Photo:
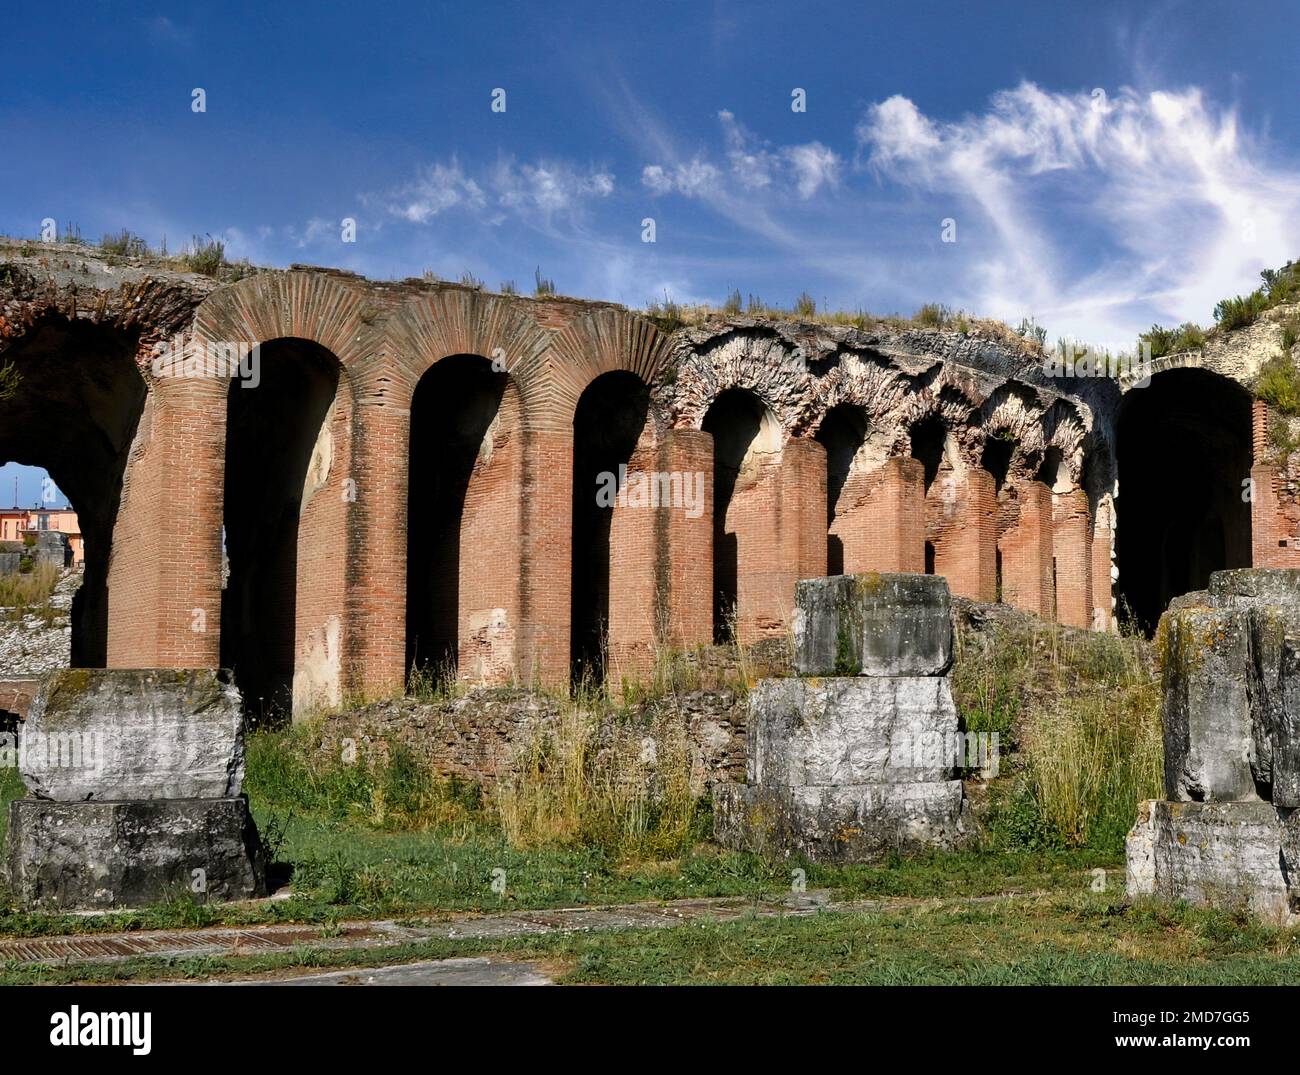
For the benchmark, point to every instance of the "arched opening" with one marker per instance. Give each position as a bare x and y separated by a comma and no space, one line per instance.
454,435
746,440
279,453
842,433
928,437
607,424
1183,450
74,412
996,459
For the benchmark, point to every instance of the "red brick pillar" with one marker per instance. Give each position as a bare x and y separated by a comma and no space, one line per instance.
488,628
633,568
890,528
1269,537
1073,553
1027,552
164,580
1102,544
376,599
803,512
684,556
545,565
967,550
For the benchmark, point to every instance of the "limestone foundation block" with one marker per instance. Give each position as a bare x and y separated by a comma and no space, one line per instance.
848,823
99,855
873,625
852,731
1209,854
116,734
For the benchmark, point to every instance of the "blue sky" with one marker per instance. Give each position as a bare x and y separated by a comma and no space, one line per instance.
1107,166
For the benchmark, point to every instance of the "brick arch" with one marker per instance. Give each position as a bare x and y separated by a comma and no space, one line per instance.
602,341
451,321
321,308
754,359
1014,412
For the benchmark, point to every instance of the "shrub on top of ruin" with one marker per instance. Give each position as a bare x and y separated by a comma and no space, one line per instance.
544,286
805,305
124,244
206,256
1282,285
667,315
1241,311
733,305
933,315
1172,341
1278,384
1030,329
468,279
508,288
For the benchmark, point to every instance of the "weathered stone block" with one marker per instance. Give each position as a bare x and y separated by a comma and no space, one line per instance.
853,823
852,731
1268,586
1208,725
873,625
124,734
1209,854
89,855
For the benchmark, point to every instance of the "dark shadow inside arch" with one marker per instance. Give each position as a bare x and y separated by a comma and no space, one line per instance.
996,459
271,432
842,433
1183,450
74,412
454,406
606,427
928,437
734,421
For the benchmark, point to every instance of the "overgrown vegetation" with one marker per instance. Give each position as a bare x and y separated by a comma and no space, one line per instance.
24,592
205,255
1172,341
1078,719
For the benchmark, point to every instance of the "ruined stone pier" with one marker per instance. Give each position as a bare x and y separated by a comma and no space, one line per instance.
855,756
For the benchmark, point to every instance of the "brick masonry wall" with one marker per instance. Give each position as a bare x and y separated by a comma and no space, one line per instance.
1073,552
1027,551
516,535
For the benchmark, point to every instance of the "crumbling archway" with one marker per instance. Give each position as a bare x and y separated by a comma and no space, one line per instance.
74,412
1183,452
608,423
281,564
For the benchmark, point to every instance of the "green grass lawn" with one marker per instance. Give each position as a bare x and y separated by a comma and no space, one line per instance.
1084,939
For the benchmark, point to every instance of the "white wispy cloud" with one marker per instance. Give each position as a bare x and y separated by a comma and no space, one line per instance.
544,187
753,165
1179,204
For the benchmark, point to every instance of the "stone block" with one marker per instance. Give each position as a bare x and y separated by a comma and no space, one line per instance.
125,734
1269,586
100,855
852,731
873,625
1222,855
852,823
1208,722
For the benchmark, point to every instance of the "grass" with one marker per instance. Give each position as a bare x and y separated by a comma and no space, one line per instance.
1278,384
1065,939
1079,713
22,592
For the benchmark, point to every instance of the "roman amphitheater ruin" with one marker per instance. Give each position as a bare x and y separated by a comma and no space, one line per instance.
413,478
